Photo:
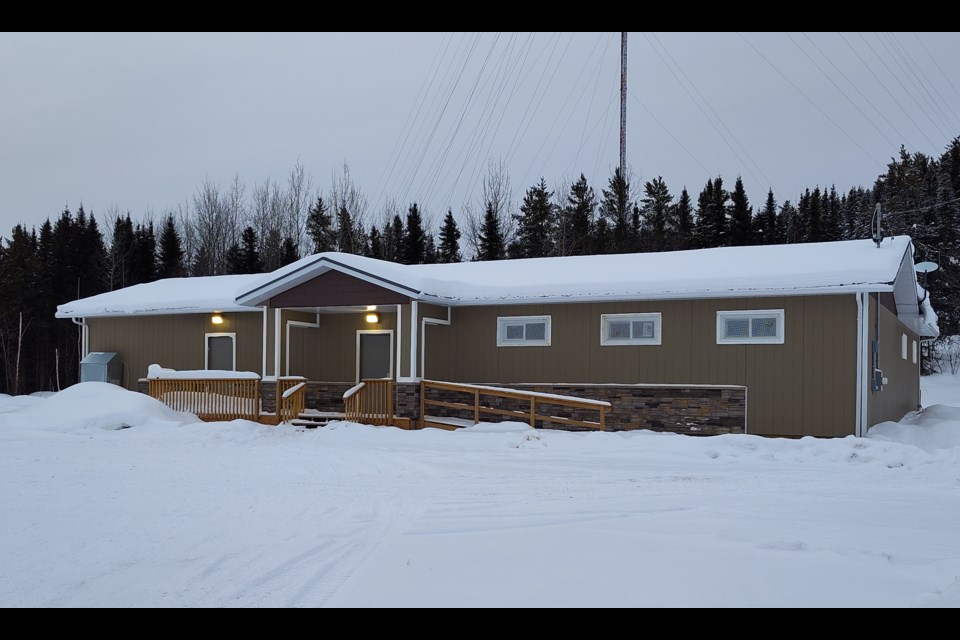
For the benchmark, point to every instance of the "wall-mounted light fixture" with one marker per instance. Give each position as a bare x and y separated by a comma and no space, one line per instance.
371,307
373,318
216,318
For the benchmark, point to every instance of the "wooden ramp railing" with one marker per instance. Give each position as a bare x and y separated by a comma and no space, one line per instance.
370,402
210,399
531,401
291,402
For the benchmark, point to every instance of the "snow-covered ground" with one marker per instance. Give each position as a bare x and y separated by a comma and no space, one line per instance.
169,512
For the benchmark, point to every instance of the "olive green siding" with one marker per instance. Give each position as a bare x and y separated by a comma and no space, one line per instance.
174,341
901,394
806,386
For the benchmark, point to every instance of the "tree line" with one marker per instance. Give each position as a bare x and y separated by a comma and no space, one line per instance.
228,230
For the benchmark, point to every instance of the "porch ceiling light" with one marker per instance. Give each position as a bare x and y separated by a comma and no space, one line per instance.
217,318
373,318
371,307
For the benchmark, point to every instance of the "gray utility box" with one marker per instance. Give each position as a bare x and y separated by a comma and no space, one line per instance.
101,366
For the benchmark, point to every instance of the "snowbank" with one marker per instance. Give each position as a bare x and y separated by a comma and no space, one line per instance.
90,405
937,427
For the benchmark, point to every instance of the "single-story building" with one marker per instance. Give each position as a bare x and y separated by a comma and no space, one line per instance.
814,339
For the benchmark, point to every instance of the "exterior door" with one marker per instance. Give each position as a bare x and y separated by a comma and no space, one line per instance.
375,358
220,352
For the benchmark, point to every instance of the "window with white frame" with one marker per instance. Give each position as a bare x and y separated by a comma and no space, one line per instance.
523,331
750,327
914,352
903,346
629,328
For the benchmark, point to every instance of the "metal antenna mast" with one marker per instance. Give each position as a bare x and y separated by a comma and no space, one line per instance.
623,103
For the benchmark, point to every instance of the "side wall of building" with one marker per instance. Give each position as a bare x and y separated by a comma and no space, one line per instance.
174,341
805,386
901,394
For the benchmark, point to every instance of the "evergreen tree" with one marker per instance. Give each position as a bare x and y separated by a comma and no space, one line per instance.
813,216
244,257
617,208
414,240
289,253
535,224
712,214
790,223
170,254
656,203
579,213
375,243
143,260
121,250
765,223
449,249
492,246
681,220
396,239
430,250
320,227
346,234
741,217
19,269
602,240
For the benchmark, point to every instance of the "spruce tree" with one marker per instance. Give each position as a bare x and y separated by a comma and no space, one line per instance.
170,253
602,240
739,232
143,260
579,215
617,208
449,249
414,240
375,243
535,224
681,216
492,246
656,203
346,234
244,257
765,222
320,227
813,216
289,253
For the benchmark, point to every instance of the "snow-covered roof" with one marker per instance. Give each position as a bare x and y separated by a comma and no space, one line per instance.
172,295
794,269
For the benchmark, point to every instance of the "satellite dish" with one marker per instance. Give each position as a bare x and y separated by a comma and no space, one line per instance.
926,267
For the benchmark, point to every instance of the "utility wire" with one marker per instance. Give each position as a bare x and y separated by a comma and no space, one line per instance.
885,88
662,126
807,98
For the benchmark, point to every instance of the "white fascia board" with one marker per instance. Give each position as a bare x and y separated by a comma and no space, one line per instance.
693,295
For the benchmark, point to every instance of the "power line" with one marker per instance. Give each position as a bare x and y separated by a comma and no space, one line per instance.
932,57
807,98
710,121
420,99
925,80
919,88
889,93
900,82
844,93
855,88
929,206
662,126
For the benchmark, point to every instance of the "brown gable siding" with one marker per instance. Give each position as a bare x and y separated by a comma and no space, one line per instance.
335,289
175,341
805,386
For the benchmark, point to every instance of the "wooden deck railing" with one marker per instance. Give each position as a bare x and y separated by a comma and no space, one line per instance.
370,402
291,402
532,413
210,399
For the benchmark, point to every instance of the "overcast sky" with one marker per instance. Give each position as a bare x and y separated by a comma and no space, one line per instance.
138,121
